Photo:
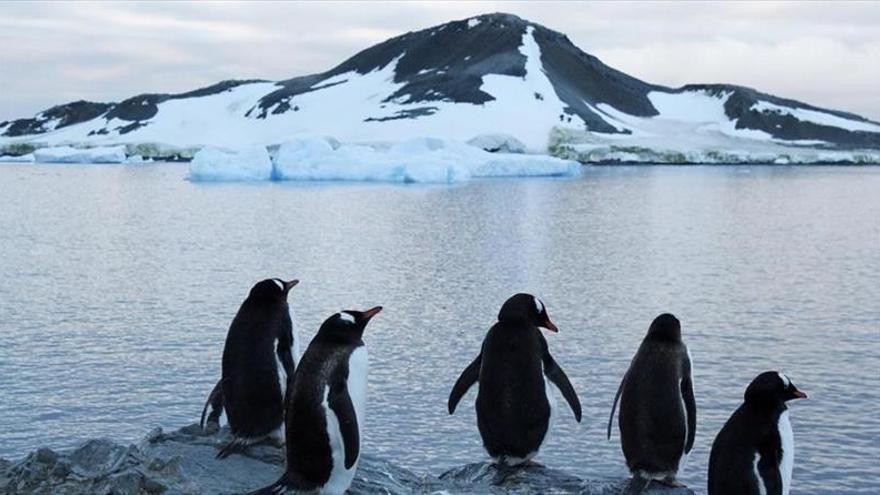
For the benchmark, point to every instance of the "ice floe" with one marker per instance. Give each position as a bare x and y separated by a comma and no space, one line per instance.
238,164
426,159
68,154
28,158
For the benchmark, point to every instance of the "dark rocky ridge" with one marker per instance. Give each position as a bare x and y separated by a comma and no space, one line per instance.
784,126
67,114
448,62
182,462
136,109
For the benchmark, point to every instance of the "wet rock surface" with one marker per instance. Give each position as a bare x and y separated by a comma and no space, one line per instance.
182,462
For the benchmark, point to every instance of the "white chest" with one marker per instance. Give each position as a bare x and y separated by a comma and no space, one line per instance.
786,437
340,477
358,366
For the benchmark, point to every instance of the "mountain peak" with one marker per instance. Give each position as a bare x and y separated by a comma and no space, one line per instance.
490,73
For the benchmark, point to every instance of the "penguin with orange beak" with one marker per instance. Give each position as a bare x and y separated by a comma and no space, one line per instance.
325,411
259,345
516,402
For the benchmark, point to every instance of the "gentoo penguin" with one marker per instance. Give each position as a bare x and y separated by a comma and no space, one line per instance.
515,402
251,388
325,411
753,453
658,414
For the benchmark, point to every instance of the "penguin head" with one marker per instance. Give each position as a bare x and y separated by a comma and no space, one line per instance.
772,387
665,327
526,307
272,289
348,325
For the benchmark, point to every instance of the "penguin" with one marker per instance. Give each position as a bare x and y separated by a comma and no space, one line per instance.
658,413
515,403
325,410
252,386
753,453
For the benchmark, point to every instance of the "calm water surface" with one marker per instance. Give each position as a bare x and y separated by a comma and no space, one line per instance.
117,285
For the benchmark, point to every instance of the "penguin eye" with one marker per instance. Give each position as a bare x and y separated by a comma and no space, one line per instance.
346,317
279,283
539,305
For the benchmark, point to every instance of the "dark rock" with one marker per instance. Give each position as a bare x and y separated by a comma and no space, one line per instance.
411,113
484,477
65,115
182,462
785,126
45,456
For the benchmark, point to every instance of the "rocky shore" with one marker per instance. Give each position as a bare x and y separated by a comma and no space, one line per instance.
182,462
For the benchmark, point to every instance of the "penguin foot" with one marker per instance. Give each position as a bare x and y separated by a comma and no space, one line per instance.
211,427
273,441
672,483
233,446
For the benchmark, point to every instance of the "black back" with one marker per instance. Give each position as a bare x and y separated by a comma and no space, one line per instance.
250,384
752,430
324,368
654,427
513,413
512,409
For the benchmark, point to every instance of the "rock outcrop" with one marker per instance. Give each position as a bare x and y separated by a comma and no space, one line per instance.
182,462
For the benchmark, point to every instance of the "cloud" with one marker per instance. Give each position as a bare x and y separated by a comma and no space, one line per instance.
824,54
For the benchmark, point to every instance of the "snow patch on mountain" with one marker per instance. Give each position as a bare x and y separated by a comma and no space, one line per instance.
816,117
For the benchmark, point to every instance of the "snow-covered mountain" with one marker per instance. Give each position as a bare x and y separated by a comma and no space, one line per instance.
490,74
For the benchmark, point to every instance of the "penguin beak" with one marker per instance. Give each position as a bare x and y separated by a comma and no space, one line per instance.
290,285
799,395
549,325
370,313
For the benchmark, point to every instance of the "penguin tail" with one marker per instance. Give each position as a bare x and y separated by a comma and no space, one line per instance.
215,402
636,485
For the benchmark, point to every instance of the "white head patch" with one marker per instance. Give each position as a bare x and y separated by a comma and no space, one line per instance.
279,283
784,379
346,316
539,305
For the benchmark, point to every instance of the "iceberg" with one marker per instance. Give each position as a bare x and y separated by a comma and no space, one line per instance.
315,159
526,166
28,158
68,154
424,159
239,164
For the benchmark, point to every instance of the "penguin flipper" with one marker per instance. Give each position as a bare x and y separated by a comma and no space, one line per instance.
768,469
690,405
560,379
285,354
340,402
215,400
614,405
468,378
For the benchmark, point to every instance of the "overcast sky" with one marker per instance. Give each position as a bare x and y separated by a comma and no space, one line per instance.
827,54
